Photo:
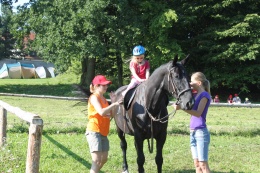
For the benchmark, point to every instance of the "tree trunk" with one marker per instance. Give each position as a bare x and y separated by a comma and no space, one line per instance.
84,63
120,69
88,73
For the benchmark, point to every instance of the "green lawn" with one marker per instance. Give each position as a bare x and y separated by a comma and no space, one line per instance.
61,85
235,140
235,136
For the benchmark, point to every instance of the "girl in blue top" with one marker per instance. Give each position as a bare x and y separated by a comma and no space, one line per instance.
199,134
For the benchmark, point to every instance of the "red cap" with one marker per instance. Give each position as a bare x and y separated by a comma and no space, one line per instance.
101,80
236,94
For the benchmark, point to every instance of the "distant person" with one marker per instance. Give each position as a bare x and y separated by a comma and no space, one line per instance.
230,99
99,113
199,134
139,67
216,99
247,101
236,99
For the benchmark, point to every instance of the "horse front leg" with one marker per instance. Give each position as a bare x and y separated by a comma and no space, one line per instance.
123,145
160,140
139,142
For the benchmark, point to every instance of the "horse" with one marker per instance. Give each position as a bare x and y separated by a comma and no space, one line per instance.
144,113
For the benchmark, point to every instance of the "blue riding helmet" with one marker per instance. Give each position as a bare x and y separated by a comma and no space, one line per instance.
138,50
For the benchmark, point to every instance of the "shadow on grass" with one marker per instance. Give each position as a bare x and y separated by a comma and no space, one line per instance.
69,152
193,170
247,133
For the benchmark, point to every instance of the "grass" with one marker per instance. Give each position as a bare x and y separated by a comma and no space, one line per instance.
69,153
58,86
235,139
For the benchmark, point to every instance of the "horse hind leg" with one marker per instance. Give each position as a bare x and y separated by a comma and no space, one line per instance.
123,145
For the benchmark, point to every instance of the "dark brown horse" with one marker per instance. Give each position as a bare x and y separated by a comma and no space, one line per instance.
146,115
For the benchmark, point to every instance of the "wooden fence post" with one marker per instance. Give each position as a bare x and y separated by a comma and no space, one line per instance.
35,134
3,122
34,146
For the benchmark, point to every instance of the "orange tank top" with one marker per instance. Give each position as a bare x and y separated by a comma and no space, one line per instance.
98,123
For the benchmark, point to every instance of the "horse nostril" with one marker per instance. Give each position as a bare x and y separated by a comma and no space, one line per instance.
190,104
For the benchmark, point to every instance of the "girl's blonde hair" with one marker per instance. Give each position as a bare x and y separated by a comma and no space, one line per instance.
198,76
92,88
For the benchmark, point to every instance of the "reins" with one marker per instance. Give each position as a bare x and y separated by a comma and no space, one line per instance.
160,119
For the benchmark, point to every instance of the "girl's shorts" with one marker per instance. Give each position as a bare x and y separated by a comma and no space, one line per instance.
199,142
97,142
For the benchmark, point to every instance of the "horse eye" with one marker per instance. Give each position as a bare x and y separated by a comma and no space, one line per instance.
176,76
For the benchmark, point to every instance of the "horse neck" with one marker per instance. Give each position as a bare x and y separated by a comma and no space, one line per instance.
155,92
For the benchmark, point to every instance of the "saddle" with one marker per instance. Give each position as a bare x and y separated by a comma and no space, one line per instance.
129,96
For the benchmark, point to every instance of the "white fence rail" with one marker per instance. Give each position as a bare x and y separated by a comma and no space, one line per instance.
248,105
85,99
35,134
230,105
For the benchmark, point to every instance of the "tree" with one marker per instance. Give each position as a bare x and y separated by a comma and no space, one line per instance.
218,34
63,31
93,32
6,39
223,38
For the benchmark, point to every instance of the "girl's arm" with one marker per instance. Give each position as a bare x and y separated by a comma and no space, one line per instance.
197,112
132,69
101,111
147,74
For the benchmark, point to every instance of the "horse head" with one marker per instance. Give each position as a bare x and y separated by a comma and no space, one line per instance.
178,84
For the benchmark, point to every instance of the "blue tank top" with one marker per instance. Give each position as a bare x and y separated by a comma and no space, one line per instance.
200,122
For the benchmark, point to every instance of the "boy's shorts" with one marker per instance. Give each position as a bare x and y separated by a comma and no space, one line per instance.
97,142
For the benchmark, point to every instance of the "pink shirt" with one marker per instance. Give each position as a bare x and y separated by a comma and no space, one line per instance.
140,69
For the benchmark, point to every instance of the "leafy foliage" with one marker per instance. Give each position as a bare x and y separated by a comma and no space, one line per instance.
6,39
222,36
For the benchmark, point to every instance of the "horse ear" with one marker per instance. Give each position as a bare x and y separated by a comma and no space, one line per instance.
184,61
175,60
